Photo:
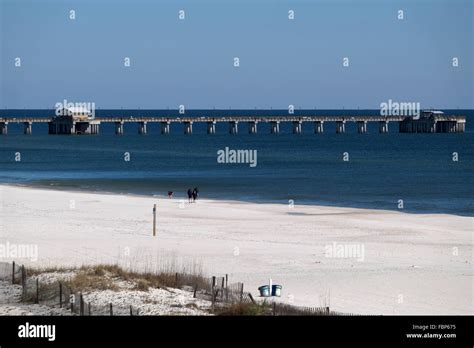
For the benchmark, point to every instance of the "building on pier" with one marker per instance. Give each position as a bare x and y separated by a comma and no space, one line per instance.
432,121
73,120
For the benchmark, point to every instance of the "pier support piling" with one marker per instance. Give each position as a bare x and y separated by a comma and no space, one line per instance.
233,127
275,127
361,127
165,127
340,127
119,128
142,128
62,127
27,128
452,127
188,128
318,127
383,127
253,127
211,127
461,127
297,127
3,128
94,128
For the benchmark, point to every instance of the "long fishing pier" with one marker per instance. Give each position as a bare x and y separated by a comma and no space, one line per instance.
435,123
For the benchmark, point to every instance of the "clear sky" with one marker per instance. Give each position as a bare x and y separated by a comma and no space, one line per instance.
191,61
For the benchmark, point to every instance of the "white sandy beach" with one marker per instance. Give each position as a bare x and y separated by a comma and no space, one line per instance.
412,264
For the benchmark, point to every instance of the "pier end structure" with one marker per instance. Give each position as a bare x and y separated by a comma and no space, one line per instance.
73,120
69,126
433,122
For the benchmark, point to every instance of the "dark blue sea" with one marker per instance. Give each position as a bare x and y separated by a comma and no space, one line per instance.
306,168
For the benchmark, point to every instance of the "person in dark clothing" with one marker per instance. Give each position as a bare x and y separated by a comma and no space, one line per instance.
195,193
190,195
194,196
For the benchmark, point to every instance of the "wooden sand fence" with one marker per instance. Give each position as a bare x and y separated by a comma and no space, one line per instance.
215,289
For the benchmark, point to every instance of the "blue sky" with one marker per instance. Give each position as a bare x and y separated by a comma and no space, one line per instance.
282,62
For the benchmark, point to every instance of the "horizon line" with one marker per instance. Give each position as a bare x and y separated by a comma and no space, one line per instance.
247,109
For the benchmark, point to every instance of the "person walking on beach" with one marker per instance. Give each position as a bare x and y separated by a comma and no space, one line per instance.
190,195
195,193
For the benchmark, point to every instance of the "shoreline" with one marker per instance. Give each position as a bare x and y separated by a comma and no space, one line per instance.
405,254
306,203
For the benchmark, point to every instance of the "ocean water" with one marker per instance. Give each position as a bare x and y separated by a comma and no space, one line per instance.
307,168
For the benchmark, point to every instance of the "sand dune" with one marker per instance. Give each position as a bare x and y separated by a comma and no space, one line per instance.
364,261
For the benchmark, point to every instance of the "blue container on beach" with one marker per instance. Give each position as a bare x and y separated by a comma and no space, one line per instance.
276,290
264,291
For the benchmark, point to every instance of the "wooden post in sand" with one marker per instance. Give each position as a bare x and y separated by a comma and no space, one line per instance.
60,295
226,288
154,220
81,305
23,279
251,298
37,290
212,292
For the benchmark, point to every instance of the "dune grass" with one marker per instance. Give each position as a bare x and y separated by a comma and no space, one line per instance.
103,277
